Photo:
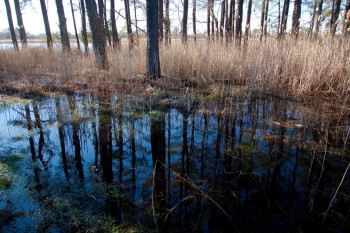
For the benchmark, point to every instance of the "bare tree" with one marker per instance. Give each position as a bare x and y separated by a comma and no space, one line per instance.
22,30
98,36
83,27
296,18
75,26
152,59
262,19
63,26
239,19
222,19
12,29
334,17
160,20
167,24
128,23
108,34
46,23
184,22
194,9
284,18
247,25
318,17
115,37
266,17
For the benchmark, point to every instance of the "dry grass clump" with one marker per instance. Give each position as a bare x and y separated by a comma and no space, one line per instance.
287,67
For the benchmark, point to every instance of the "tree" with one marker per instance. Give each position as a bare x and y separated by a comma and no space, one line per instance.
12,29
318,17
184,22
222,19
160,20
83,27
115,38
128,23
262,19
75,26
266,16
296,18
108,34
346,24
239,19
22,31
247,25
284,18
194,9
167,24
231,19
334,17
152,56
209,5
63,26
98,36
46,23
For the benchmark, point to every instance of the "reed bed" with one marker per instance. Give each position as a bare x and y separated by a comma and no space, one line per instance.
287,67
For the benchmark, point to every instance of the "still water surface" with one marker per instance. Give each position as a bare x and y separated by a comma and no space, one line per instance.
92,162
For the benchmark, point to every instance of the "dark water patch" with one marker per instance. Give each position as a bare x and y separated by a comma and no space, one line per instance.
99,163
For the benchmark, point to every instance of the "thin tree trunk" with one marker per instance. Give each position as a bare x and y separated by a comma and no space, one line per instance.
115,37
63,26
231,19
239,21
194,9
335,15
46,23
184,22
279,18
128,23
12,29
222,19
208,18
226,20
346,23
98,36
167,24
152,59
318,17
266,18
136,27
262,19
108,34
83,27
160,20
75,26
312,23
296,18
22,30
247,25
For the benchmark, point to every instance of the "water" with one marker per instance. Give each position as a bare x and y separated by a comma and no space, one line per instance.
97,162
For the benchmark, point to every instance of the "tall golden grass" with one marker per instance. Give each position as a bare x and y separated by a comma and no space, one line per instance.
286,67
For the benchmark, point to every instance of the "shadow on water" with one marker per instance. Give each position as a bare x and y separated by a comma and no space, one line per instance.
94,161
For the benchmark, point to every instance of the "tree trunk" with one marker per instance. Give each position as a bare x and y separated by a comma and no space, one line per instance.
239,19
75,26
222,19
128,23
284,17
247,25
98,36
262,19
83,27
346,23
63,26
160,20
46,22
115,37
136,27
208,18
226,20
318,17
12,29
108,34
312,23
266,18
22,30
231,19
167,24
152,59
296,18
184,22
335,15
194,9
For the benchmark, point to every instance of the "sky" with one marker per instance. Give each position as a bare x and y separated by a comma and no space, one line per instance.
33,21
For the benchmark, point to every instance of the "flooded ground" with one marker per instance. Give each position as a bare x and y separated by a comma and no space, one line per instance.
96,163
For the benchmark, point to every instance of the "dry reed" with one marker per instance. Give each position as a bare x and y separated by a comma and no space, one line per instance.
286,67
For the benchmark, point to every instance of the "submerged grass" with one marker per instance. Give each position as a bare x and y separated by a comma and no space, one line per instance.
287,67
